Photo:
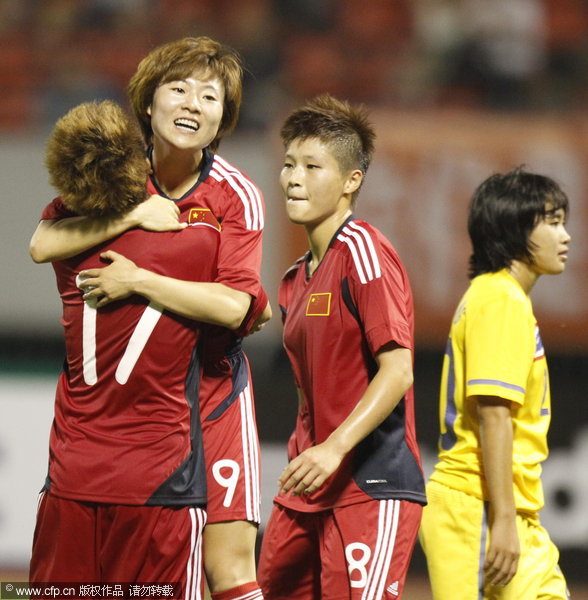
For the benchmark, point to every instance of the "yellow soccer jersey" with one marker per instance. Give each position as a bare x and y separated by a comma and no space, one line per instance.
494,348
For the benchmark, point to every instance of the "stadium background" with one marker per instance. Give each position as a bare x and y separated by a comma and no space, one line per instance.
457,88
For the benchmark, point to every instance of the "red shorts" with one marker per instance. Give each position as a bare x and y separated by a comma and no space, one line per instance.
358,552
231,450
89,542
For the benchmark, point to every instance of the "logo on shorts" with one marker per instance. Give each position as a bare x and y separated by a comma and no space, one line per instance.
393,588
319,305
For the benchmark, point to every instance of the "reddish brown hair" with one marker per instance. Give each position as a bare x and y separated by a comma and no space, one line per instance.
96,160
180,59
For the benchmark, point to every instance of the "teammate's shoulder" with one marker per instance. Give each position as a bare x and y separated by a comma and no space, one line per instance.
292,270
234,188
56,209
358,229
222,169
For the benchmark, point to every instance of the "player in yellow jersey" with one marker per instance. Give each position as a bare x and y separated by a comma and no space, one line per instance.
480,531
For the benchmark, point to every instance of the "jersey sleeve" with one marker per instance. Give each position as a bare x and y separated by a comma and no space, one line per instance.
380,291
284,296
239,261
285,288
256,307
500,343
56,210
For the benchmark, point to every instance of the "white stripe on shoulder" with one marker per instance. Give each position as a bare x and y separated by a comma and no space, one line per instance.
363,251
370,243
245,189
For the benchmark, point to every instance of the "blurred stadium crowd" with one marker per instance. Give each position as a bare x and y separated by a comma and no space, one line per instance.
504,54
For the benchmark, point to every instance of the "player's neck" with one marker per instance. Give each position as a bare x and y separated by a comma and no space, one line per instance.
321,234
525,276
176,172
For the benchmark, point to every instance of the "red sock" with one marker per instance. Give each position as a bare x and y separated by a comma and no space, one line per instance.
247,591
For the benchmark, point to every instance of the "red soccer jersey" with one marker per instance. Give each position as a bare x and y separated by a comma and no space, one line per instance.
127,426
335,321
238,205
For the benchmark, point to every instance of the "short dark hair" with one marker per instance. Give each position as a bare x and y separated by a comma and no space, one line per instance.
504,210
95,156
177,60
344,127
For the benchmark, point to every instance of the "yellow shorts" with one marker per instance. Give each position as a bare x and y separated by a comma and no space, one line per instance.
454,537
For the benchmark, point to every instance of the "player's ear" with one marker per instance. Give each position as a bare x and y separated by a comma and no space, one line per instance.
353,181
149,110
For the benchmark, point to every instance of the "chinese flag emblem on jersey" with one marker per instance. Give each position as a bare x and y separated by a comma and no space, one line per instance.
203,215
319,305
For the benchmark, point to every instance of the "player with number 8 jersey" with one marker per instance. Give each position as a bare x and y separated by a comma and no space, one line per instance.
346,516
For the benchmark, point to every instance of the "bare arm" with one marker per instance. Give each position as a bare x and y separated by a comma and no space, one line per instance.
64,238
308,471
496,439
213,303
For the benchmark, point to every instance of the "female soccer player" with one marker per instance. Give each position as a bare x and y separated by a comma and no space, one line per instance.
186,95
346,518
124,497
485,492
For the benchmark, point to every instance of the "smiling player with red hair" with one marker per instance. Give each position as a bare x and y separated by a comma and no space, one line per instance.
125,494
186,95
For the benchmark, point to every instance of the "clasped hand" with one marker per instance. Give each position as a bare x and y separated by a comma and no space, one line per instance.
157,214
113,282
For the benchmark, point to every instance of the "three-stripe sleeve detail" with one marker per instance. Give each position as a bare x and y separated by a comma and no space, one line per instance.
363,251
246,190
